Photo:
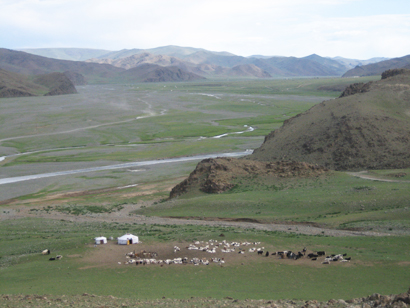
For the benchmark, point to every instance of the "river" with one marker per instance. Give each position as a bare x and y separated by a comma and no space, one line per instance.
120,166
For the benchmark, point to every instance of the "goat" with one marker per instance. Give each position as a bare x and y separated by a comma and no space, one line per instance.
51,259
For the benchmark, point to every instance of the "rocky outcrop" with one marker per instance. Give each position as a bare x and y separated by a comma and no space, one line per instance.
395,72
356,88
219,175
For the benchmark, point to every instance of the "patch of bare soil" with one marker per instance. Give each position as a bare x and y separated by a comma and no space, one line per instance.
114,255
366,176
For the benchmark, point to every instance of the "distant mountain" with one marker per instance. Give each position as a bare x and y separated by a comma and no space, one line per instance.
352,63
247,70
18,85
29,64
379,67
139,59
155,73
313,65
171,50
73,54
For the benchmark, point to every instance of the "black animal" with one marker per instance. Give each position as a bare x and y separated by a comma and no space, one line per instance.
321,253
348,259
51,259
260,252
314,259
312,255
267,254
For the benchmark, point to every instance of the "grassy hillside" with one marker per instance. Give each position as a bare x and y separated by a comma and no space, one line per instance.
367,130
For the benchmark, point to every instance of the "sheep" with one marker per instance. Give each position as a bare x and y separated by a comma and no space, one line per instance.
51,259
46,252
59,257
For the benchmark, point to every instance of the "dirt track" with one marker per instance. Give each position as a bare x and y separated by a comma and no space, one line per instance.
124,216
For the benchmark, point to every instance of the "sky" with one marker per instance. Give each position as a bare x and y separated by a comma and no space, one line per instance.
357,29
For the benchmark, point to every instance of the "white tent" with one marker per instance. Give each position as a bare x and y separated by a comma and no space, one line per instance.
100,240
127,239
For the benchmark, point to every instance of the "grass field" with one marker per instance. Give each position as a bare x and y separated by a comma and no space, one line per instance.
105,125
374,261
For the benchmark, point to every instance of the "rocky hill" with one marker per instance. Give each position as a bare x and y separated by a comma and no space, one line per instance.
219,175
18,85
379,67
368,127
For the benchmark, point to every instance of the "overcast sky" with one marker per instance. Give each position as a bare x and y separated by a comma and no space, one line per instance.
359,29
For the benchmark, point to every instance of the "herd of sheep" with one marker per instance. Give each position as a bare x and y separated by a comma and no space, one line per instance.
214,246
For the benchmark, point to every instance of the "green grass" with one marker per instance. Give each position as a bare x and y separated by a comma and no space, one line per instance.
375,261
334,200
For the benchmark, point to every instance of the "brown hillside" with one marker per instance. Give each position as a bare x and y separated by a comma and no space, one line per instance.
18,85
217,175
368,128
57,83
155,73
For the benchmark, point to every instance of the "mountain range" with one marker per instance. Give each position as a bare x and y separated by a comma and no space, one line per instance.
174,63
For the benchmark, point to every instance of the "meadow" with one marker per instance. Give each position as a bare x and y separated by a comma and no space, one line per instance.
375,260
110,124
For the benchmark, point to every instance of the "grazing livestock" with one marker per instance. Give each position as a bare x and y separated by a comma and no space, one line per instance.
59,257
51,259
314,259
46,252
267,254
321,253
312,255
260,252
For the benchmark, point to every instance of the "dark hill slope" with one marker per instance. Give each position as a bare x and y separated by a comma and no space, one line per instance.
379,67
366,130
25,63
155,73
18,85
58,83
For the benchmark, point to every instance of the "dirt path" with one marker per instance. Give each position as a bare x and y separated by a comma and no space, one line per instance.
364,175
125,216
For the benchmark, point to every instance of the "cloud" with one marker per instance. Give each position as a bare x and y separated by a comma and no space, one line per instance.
350,28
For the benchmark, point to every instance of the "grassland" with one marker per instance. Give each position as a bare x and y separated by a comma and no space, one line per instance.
110,124
375,261
337,200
